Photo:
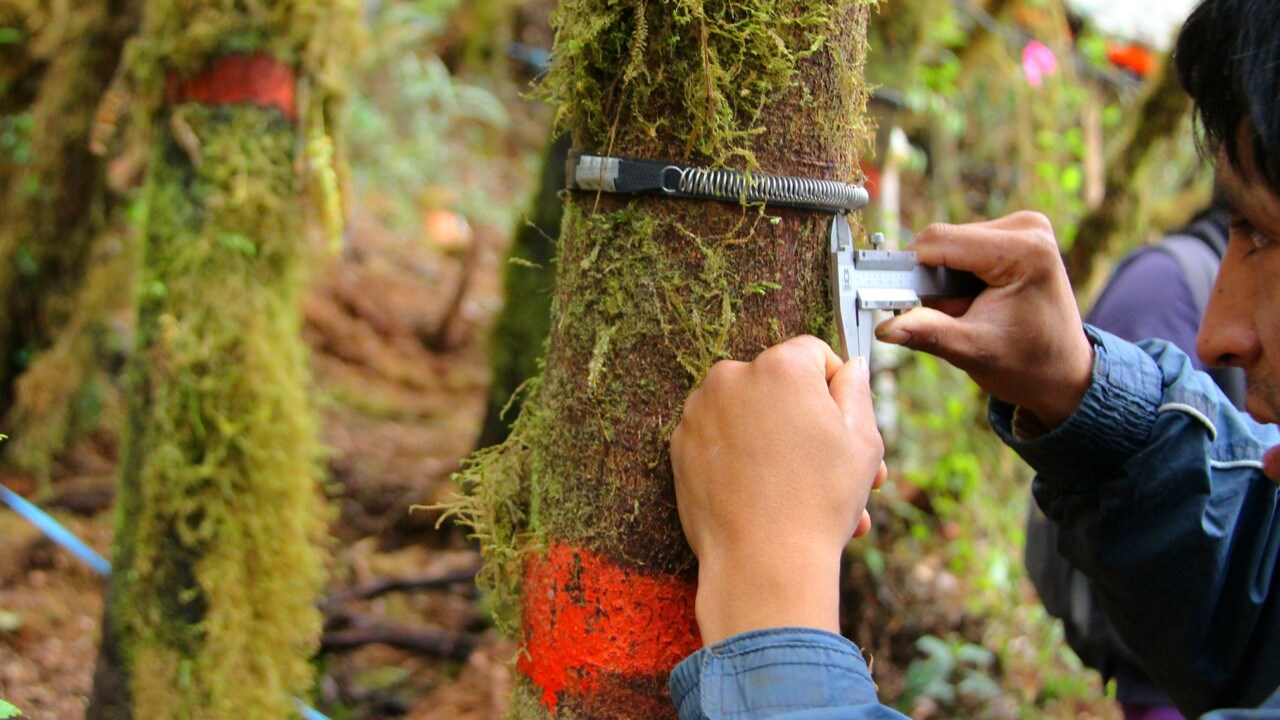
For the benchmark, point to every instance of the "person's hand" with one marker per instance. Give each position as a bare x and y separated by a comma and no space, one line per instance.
1021,339
773,463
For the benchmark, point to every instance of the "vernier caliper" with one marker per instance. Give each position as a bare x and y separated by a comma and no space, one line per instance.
862,281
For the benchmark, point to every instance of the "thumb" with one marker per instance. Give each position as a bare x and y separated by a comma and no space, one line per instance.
930,331
851,389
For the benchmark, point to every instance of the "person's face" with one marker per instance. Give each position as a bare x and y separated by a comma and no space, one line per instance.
1241,326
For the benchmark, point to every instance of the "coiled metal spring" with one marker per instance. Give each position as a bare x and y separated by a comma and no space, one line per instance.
733,185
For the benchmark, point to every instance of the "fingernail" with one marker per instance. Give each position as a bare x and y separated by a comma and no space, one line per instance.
893,336
860,362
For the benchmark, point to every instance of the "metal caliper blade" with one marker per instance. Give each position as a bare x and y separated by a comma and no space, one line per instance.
863,281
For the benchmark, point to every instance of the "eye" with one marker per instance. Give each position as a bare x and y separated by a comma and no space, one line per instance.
1242,228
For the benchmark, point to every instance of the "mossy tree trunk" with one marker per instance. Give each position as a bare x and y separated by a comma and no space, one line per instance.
577,506
1162,112
211,611
52,210
482,29
519,336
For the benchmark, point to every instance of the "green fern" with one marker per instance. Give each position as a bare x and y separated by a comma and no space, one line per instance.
8,711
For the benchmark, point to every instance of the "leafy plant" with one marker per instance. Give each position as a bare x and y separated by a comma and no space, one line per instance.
8,711
950,672
415,132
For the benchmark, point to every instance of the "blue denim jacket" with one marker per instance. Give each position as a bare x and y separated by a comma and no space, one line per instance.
1156,481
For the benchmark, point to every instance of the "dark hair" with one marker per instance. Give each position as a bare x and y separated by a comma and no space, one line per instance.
1228,59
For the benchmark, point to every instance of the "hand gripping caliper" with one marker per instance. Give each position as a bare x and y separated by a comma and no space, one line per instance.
862,281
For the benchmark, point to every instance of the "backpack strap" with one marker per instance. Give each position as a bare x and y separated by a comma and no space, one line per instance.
1198,261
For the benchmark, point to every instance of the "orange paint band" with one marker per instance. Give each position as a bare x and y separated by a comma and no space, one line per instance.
255,78
587,618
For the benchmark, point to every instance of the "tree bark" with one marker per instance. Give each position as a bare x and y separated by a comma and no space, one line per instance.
1161,113
578,504
211,610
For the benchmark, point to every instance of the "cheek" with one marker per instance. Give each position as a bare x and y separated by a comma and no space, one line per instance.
1262,285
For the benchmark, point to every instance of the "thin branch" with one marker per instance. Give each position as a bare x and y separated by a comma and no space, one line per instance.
382,586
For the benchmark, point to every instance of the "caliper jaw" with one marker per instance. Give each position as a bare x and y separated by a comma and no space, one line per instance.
864,281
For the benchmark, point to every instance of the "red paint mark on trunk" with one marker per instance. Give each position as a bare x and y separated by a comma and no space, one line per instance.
587,618
255,78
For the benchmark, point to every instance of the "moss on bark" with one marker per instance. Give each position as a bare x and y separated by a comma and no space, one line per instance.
217,560
651,292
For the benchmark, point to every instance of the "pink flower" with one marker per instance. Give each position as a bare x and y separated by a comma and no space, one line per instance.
1038,62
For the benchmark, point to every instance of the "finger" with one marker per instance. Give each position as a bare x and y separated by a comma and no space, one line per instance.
987,249
804,350
864,525
953,306
881,476
821,353
1271,464
933,332
851,389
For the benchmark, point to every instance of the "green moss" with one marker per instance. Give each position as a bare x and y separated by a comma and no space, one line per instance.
220,517
693,76
220,527
52,209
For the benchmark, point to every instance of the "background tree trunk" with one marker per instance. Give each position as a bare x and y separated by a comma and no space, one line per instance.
1161,113
52,211
211,610
650,292
519,336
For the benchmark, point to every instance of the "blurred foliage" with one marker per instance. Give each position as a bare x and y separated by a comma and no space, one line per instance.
950,672
416,133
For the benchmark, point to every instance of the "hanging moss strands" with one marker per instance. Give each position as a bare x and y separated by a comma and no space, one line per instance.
211,612
575,511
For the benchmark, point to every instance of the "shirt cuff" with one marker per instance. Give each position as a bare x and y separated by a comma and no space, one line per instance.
781,669
1113,422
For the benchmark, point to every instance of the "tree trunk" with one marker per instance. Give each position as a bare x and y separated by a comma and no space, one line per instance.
51,213
578,504
211,610
1162,112
519,336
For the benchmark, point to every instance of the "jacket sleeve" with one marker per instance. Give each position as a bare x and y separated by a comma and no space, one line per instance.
1156,483
780,674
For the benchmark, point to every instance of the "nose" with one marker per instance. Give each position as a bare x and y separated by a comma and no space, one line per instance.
1228,337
